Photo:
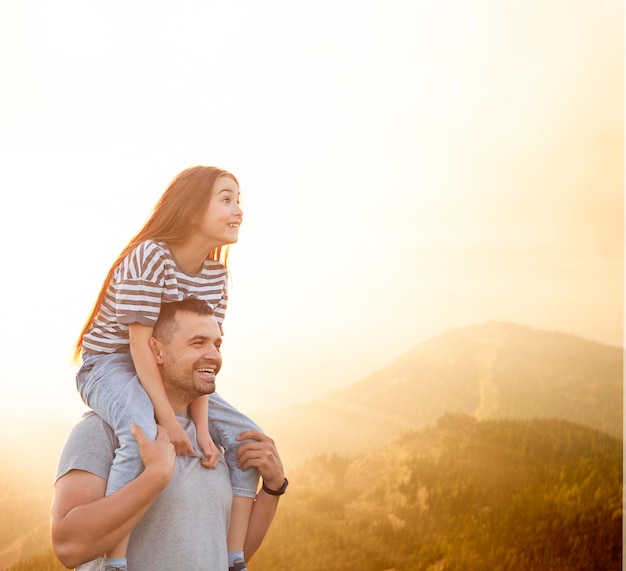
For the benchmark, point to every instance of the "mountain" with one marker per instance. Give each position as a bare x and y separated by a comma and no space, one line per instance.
463,494
488,371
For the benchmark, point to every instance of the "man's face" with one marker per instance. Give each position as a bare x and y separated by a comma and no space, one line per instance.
191,358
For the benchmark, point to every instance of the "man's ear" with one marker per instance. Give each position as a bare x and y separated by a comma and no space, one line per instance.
157,352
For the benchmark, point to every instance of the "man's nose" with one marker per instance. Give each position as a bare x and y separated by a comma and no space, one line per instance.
213,354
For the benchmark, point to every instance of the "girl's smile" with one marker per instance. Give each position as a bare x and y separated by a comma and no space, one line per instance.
223,216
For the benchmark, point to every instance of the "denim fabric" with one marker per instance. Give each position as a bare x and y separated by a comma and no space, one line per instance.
225,424
109,385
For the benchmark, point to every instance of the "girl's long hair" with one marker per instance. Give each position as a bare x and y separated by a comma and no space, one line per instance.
173,220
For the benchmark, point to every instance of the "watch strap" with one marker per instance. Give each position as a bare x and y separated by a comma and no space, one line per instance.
278,492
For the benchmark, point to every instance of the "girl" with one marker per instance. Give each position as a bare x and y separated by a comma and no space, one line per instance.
180,252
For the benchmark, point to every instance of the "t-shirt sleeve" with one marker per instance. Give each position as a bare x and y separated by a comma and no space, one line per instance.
90,446
220,309
139,285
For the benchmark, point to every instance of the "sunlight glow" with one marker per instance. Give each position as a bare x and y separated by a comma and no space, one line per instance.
405,168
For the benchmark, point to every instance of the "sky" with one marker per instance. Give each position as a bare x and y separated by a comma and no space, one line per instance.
406,167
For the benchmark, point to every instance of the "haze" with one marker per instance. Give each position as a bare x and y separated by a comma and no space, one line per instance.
406,167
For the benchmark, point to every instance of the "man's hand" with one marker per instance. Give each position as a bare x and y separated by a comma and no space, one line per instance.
260,451
85,523
157,455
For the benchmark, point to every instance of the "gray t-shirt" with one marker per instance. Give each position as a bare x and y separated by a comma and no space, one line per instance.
186,526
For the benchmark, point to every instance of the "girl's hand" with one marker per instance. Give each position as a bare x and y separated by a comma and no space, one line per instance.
209,449
179,439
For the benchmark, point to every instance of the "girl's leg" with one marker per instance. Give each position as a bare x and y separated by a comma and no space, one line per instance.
225,424
240,511
109,385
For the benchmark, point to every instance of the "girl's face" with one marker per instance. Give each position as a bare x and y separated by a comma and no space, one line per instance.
220,223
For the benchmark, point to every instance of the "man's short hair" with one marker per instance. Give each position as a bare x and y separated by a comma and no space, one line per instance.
166,324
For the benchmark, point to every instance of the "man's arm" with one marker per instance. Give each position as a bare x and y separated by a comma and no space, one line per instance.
85,524
262,454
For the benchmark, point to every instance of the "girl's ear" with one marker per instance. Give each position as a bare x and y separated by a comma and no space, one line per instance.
155,347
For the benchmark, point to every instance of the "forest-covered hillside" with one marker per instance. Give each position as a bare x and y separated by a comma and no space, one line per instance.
25,509
483,476
464,495
493,370
45,561
524,495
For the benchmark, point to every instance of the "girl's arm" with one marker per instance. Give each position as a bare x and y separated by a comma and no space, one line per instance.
199,410
150,379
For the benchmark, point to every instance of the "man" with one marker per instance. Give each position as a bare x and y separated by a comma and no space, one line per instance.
177,509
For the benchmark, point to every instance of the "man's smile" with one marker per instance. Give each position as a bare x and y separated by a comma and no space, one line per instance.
207,370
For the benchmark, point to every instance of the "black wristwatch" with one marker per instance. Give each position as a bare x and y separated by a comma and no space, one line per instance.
279,492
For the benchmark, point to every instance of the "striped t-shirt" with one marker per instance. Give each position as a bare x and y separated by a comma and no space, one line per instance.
143,280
